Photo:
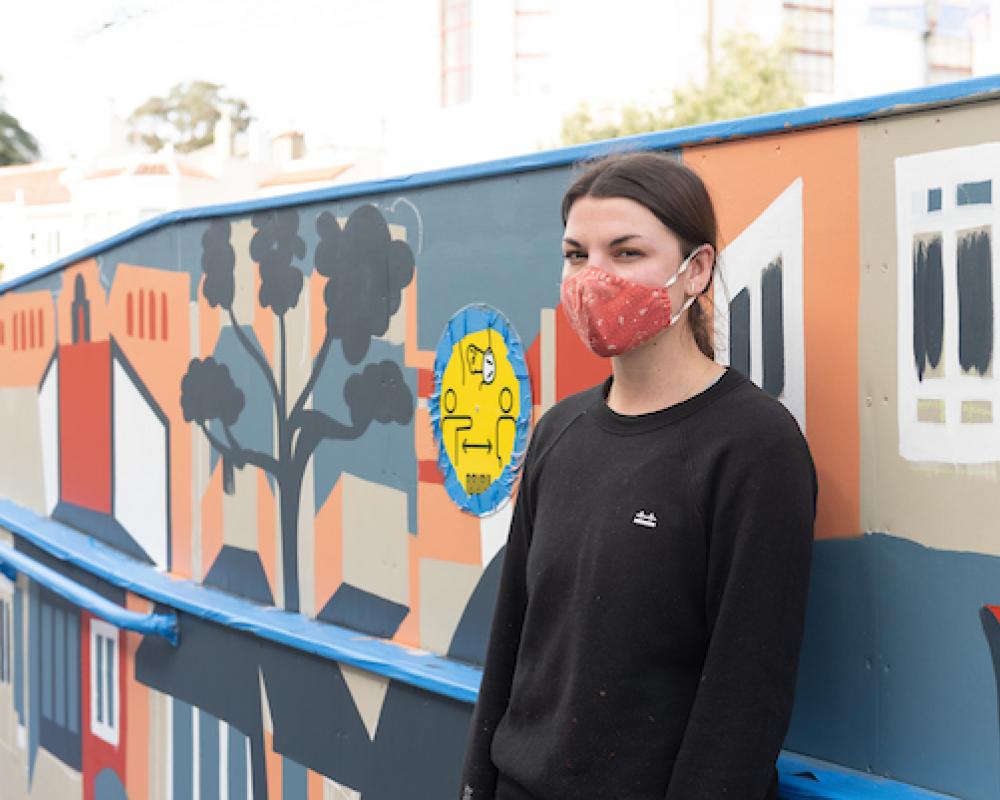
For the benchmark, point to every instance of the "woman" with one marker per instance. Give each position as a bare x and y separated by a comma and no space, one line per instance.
649,616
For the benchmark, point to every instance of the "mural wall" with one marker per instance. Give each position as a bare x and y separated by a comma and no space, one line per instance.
319,409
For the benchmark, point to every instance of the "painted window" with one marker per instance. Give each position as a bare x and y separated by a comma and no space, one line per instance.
59,677
532,34
811,27
210,759
104,692
948,392
456,52
763,330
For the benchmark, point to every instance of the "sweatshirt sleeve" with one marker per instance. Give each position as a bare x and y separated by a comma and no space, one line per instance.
479,775
761,531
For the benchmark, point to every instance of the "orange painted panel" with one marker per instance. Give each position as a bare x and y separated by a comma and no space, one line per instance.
265,531
272,764
576,367
137,751
329,535
423,434
744,177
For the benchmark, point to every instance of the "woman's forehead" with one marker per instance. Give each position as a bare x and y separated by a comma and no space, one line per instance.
613,217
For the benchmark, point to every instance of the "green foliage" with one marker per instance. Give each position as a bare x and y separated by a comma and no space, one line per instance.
749,79
186,117
17,146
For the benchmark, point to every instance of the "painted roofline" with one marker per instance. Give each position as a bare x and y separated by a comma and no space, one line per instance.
923,98
13,561
409,665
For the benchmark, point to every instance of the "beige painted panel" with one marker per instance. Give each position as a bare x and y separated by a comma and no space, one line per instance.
396,333
946,506
245,299
376,542
13,773
158,745
336,791
445,589
53,779
21,478
239,511
368,691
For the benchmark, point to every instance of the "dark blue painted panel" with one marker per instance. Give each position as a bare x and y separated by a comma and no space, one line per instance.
208,756
293,780
181,749
236,764
896,671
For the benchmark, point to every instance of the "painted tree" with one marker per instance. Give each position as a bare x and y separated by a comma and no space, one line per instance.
366,272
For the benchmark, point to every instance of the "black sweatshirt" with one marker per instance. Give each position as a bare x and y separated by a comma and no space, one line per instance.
648,622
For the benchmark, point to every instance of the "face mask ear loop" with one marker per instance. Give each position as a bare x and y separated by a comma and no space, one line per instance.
680,270
675,278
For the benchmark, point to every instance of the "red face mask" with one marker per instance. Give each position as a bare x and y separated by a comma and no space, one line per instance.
612,314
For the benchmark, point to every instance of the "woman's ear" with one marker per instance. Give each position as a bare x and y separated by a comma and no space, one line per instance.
700,270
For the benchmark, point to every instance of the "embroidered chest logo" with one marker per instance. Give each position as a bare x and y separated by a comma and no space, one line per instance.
647,519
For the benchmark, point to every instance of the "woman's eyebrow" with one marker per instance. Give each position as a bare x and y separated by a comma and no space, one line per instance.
616,241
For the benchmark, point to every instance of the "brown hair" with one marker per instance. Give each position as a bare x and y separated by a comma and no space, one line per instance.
673,193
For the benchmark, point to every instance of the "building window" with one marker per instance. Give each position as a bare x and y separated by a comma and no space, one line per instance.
59,662
104,697
948,393
456,52
949,57
532,35
811,27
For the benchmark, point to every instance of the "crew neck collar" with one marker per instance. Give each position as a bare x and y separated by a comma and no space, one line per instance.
627,424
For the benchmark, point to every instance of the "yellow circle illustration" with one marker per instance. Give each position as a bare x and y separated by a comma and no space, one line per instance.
480,402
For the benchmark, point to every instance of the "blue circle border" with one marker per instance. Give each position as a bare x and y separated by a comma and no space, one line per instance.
471,319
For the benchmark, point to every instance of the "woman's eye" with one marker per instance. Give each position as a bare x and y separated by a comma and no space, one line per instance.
628,253
574,255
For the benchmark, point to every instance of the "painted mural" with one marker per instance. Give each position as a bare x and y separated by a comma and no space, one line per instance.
312,414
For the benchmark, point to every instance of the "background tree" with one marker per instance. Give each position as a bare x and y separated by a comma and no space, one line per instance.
17,146
366,272
749,79
186,117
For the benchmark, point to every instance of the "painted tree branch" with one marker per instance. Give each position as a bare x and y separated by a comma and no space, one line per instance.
315,426
239,456
255,354
320,361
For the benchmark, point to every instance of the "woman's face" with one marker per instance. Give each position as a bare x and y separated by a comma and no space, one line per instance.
623,237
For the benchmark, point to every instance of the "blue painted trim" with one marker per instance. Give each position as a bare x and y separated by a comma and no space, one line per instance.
804,778
471,319
971,90
164,625
417,668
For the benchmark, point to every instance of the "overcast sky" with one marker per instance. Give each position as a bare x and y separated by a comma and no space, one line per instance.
66,63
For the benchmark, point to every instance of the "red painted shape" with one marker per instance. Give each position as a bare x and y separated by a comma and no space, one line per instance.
152,315
142,314
428,472
163,315
576,367
41,328
1,333
995,611
97,754
425,382
129,315
85,425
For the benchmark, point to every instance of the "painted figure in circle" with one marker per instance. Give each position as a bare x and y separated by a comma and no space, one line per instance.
650,611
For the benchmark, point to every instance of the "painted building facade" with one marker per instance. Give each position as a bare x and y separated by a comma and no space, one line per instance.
231,419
